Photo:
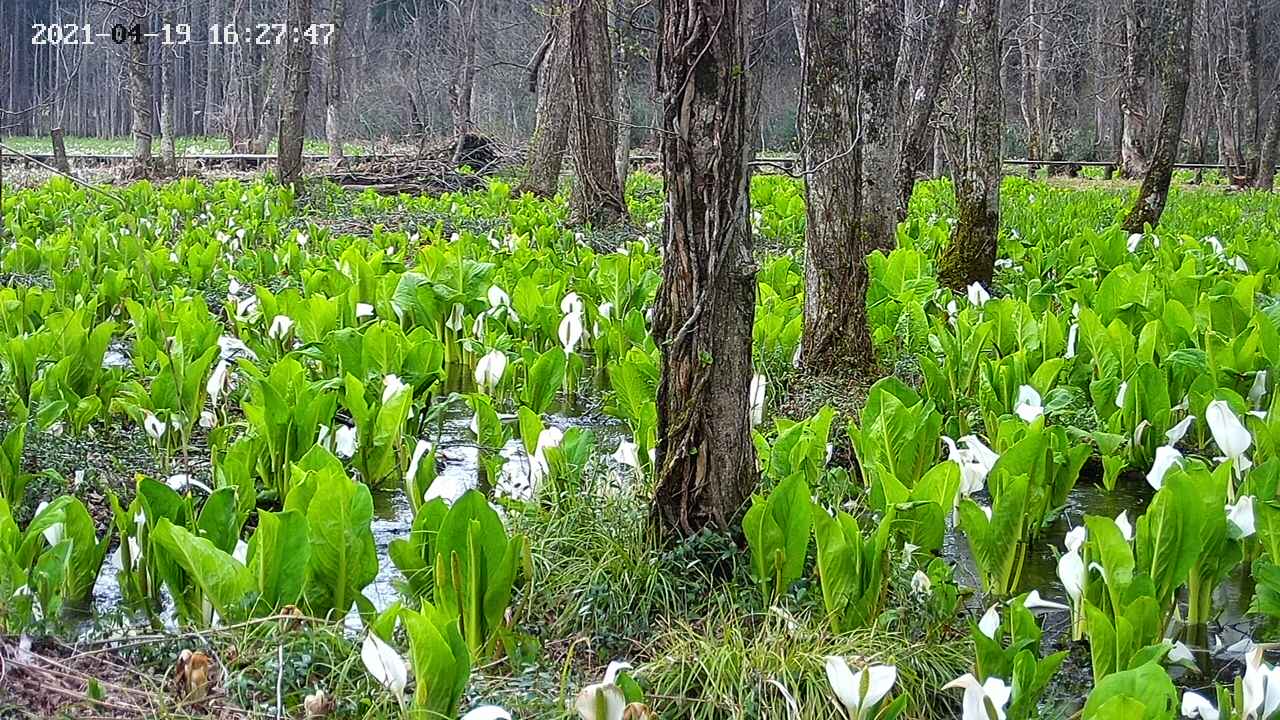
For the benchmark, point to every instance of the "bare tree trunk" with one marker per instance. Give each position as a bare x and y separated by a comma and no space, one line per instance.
1251,123
333,88
623,105
798,24
293,112
60,162
835,267
140,98
970,256
1270,145
877,121
168,71
597,199
549,72
1149,204
269,118
935,66
462,28
214,82
706,302
1135,94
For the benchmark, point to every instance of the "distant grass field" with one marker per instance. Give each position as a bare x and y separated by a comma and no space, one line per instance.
184,145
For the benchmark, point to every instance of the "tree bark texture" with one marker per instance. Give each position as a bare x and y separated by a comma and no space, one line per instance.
1135,93
551,123
935,65
623,103
1270,153
214,82
835,266
168,86
293,111
706,302
333,85
970,256
140,95
462,28
877,50
1176,44
597,198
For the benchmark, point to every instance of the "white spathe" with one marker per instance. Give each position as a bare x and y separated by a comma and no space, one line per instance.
280,327
1240,518
345,441
1126,528
1028,406
1228,432
1166,458
759,385
859,691
155,429
1177,432
977,295
490,369
392,386
977,696
487,712
384,664
570,331
990,622
1033,601
1195,705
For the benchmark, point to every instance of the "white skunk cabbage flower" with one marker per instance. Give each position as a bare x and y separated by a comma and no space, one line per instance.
975,460
497,297
756,398
1166,458
345,441
603,700
921,584
977,295
280,327
364,310
1028,406
1174,434
859,691
155,429
570,330
1195,705
392,386
1071,341
990,622
219,381
978,696
1240,520
627,454
385,664
1126,527
1228,432
1071,570
490,369
1033,601
53,533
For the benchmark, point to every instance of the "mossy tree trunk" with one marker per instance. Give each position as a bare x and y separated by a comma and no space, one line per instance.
1176,72
549,75
835,268
706,302
971,254
597,197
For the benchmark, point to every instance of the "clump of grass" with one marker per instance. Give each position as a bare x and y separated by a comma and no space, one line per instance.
728,665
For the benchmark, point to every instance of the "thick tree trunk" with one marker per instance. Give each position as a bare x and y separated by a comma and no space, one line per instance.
835,267
168,72
877,51
970,256
1135,93
597,198
935,65
462,27
1176,44
333,86
140,96
1251,123
293,111
550,74
706,302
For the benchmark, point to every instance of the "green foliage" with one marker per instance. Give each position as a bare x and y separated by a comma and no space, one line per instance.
777,530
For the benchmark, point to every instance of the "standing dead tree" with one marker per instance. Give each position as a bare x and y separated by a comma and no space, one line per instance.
706,302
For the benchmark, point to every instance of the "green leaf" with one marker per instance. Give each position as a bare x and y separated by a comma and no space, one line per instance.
223,580
279,553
